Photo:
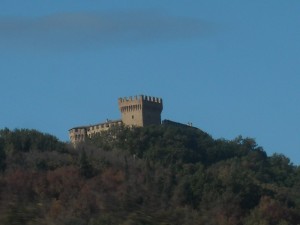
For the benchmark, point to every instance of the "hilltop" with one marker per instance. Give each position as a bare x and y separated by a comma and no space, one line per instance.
149,175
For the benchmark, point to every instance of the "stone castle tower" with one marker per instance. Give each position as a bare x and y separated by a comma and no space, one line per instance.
140,110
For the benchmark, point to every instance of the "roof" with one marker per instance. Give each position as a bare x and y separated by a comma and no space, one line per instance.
87,126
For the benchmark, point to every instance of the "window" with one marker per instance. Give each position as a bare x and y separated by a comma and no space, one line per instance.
132,116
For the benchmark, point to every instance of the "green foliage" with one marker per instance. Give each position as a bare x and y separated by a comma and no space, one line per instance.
24,140
85,167
29,148
168,144
281,170
2,155
162,175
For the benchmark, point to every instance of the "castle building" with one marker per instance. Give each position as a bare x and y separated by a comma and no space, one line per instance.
137,111
141,110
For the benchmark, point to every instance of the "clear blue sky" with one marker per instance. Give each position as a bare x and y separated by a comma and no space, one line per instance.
229,67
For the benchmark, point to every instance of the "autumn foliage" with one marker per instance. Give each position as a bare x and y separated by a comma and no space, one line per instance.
160,175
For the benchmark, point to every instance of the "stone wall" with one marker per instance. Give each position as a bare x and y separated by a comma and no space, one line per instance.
138,111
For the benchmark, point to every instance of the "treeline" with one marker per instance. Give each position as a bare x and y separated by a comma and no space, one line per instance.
160,175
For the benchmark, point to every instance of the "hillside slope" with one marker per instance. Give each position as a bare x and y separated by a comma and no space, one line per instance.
154,175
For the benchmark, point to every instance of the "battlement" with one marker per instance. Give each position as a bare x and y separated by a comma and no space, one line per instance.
140,98
152,99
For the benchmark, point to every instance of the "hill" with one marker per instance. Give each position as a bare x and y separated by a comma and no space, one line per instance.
154,175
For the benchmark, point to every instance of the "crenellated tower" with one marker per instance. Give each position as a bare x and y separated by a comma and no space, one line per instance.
141,110
138,111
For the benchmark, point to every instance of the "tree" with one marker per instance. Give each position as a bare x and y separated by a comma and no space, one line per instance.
85,167
2,155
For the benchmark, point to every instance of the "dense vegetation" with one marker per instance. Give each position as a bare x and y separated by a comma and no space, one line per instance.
160,175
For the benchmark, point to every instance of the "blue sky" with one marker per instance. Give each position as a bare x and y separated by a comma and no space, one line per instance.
229,67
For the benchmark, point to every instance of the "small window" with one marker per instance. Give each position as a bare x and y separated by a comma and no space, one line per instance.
132,116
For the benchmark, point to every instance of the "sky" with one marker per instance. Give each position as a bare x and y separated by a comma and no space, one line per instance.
229,67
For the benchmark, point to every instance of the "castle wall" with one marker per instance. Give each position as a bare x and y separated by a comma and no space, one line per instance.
140,110
78,134
131,111
152,109
93,130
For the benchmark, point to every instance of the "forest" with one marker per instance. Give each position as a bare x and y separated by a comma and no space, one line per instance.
156,175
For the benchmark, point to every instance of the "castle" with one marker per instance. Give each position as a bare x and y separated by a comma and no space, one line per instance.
137,111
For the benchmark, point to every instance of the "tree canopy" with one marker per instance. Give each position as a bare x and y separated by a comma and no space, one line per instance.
153,175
